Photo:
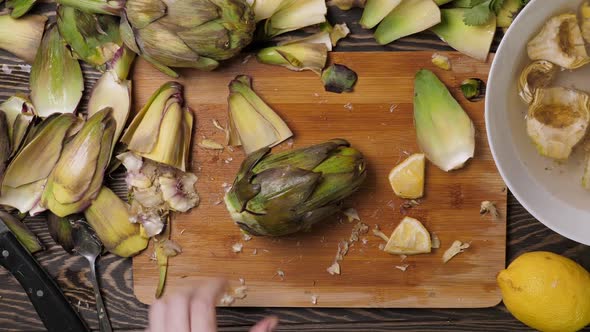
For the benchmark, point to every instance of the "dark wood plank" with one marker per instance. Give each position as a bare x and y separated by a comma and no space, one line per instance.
17,314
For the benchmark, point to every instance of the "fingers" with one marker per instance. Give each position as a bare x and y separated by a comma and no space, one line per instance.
189,310
202,305
268,324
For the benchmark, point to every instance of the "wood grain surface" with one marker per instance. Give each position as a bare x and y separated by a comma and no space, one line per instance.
378,122
128,314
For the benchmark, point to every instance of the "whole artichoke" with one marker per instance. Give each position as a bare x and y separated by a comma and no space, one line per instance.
284,193
179,33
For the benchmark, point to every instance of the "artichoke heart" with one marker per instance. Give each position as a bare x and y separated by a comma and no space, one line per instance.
560,42
536,75
557,120
283,193
154,190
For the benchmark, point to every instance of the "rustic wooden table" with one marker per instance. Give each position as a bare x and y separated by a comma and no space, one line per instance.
127,314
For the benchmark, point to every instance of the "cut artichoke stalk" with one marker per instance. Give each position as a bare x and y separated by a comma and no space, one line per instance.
408,18
557,120
375,11
56,78
60,230
339,78
113,90
253,124
164,248
473,89
22,233
585,14
538,74
560,42
474,41
109,217
162,129
155,189
19,7
347,4
93,38
22,37
184,33
283,193
77,177
19,114
293,15
22,186
445,133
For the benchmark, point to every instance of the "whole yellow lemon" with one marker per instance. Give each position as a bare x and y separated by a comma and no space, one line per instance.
547,292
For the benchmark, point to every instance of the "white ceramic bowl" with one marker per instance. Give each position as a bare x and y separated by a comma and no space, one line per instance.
551,192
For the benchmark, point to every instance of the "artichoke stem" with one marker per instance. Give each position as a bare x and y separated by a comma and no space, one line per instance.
21,232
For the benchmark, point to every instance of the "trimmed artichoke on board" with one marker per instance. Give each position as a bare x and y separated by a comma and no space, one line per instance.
288,192
445,132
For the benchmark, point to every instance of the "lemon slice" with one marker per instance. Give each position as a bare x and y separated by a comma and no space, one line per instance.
407,178
409,238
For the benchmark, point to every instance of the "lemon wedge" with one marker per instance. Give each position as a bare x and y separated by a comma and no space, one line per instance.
407,178
410,237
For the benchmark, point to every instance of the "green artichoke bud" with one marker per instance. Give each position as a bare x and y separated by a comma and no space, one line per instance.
60,230
293,15
78,174
19,7
181,33
93,38
56,78
288,192
162,129
21,232
253,124
19,114
113,91
22,37
23,185
109,217
339,78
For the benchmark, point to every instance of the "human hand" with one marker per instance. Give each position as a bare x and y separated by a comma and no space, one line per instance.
193,310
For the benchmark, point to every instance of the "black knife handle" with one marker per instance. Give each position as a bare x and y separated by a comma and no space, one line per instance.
51,304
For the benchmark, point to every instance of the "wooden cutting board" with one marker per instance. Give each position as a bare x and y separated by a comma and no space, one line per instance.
377,119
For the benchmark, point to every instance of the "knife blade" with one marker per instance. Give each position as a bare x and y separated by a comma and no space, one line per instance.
53,308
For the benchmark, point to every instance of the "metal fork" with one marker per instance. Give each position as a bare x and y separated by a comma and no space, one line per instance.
87,245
